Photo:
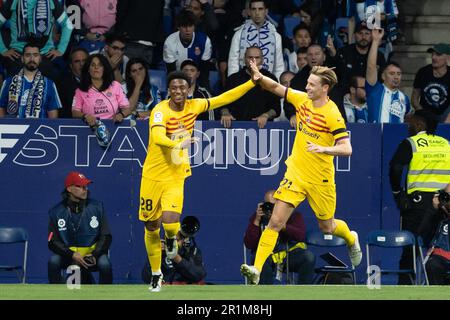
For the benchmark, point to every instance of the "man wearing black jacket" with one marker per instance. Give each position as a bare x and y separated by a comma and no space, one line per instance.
78,233
187,266
141,22
256,105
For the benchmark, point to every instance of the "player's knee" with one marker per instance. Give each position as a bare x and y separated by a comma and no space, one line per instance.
153,225
276,224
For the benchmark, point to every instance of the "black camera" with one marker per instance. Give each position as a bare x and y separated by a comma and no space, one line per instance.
444,197
90,260
267,208
189,226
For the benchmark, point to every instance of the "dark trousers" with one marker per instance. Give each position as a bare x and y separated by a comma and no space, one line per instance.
438,269
301,262
137,50
422,221
57,264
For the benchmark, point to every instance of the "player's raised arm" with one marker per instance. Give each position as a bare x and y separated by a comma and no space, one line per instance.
231,95
265,82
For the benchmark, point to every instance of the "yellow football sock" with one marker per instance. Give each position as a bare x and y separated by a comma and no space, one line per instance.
343,231
266,244
153,247
171,229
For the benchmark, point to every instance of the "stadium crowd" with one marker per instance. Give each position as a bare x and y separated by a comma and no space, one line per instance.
214,36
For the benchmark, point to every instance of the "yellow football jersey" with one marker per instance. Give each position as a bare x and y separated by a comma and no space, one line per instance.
162,163
322,126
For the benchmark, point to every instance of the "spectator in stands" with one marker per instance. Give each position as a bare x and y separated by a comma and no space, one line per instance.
99,96
351,60
314,19
302,60
29,94
424,178
285,80
292,236
114,51
79,234
257,32
70,81
438,257
34,21
141,22
256,105
98,18
302,40
355,101
142,95
191,69
188,44
432,82
207,20
385,102
315,57
186,267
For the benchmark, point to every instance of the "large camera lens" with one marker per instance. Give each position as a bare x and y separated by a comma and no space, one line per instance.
267,208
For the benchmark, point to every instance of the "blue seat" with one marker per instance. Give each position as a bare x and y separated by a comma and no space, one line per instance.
214,82
158,78
9,236
341,32
391,239
290,22
322,240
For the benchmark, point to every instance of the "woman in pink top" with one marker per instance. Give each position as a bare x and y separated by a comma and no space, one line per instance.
99,96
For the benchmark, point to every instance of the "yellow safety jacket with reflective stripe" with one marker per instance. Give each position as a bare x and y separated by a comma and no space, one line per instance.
429,169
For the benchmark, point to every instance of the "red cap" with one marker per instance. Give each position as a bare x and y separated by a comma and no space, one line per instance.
77,179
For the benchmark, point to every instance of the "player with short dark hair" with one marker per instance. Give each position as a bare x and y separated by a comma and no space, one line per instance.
167,165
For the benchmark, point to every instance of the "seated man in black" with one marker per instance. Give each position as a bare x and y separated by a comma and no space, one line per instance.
187,266
256,105
78,234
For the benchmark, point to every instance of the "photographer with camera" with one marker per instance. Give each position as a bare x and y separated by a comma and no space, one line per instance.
438,257
292,237
427,157
79,234
186,267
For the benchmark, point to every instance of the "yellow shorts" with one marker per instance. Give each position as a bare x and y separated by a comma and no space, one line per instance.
321,198
159,196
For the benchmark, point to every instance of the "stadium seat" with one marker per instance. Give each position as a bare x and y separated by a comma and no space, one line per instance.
386,240
214,82
158,78
9,236
290,23
328,241
341,32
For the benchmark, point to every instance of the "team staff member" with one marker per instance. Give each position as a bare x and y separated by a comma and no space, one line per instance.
310,170
167,165
79,233
428,159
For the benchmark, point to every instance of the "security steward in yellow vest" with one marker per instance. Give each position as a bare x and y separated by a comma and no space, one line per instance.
428,159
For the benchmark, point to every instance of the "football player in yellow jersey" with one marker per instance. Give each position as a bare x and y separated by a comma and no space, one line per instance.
167,165
310,170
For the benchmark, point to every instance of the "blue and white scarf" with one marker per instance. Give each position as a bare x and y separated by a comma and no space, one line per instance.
263,38
41,16
35,96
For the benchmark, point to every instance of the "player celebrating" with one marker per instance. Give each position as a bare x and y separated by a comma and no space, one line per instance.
310,170
167,165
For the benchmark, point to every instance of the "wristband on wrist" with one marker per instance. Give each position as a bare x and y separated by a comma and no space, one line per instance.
121,113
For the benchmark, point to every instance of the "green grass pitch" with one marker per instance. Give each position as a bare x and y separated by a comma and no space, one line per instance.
221,292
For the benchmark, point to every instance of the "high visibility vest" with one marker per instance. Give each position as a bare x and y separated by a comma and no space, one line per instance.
429,169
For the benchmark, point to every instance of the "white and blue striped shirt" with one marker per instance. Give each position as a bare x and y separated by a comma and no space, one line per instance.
386,106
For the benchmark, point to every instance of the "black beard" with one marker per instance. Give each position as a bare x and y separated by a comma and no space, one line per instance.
31,68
